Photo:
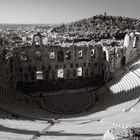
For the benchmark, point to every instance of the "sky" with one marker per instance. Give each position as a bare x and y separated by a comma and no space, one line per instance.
63,11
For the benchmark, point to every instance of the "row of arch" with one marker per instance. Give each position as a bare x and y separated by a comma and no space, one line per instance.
60,55
79,72
68,55
44,75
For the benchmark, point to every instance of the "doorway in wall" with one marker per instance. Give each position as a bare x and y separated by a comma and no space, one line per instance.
123,60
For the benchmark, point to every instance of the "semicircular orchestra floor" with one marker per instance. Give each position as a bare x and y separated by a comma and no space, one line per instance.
67,103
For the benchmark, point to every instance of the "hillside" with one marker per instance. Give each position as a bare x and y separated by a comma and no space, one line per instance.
99,27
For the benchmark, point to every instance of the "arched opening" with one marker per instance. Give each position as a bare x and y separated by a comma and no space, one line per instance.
23,56
46,74
52,55
60,56
80,54
60,73
39,75
79,71
68,55
38,55
123,59
93,53
104,55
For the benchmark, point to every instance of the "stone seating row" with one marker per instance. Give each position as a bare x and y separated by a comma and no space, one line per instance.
127,89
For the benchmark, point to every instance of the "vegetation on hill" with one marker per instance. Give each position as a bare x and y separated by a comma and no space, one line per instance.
99,27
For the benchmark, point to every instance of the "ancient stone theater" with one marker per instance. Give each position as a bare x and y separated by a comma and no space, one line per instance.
69,65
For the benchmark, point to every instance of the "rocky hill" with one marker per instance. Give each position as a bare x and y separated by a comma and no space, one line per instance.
99,27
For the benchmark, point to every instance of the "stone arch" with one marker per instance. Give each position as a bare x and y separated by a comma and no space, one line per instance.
68,55
79,71
123,61
52,55
93,53
104,55
47,74
60,56
60,73
39,75
80,53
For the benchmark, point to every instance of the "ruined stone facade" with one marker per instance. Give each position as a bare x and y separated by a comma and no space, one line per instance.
119,56
39,62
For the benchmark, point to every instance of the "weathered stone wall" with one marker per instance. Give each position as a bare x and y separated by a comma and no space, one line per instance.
119,56
74,61
50,59
89,64
132,44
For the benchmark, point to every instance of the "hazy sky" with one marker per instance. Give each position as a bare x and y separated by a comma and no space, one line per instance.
62,11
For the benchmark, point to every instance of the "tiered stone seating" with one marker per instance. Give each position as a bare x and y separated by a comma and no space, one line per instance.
16,103
137,72
67,103
118,73
111,94
134,64
14,97
123,84
136,68
121,93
